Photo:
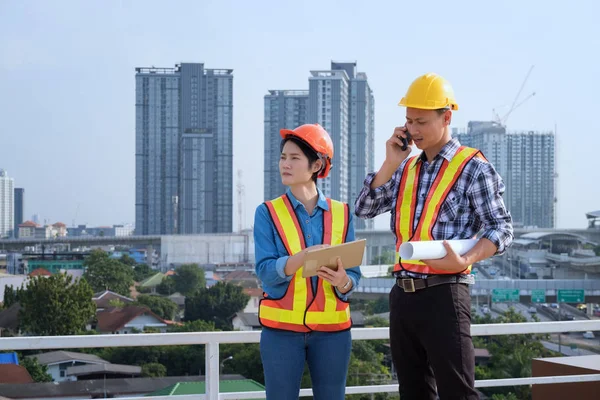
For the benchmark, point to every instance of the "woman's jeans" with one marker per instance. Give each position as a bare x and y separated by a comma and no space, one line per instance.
283,356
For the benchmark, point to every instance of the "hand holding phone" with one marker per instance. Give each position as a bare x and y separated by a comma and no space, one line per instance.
397,148
405,141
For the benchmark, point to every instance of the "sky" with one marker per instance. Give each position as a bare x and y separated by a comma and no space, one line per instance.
67,82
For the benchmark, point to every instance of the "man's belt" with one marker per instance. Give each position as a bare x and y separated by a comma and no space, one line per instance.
410,285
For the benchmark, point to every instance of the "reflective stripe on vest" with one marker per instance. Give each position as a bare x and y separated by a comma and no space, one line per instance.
406,205
299,310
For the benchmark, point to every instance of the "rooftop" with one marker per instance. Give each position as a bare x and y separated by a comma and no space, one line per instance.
589,362
225,386
58,357
153,280
114,318
107,368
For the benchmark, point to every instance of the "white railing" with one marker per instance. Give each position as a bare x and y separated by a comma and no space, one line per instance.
212,340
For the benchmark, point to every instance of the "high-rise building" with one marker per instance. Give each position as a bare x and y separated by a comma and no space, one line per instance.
526,162
362,140
184,150
532,178
328,105
19,209
7,196
283,109
341,100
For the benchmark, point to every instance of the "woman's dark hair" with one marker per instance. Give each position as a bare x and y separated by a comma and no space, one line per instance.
306,149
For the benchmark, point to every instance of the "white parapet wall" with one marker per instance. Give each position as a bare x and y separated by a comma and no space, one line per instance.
207,249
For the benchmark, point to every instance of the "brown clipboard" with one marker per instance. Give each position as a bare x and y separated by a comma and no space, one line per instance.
351,254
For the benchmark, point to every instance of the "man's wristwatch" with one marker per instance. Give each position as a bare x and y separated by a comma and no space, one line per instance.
346,286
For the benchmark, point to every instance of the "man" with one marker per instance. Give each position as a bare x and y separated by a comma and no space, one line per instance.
447,192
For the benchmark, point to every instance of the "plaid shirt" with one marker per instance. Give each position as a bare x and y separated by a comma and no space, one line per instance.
473,205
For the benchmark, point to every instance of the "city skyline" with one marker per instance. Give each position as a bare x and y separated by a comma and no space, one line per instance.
87,105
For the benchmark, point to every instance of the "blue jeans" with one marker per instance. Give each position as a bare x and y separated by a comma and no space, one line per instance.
283,356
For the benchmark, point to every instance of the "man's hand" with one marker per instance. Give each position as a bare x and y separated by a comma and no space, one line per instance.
394,156
452,262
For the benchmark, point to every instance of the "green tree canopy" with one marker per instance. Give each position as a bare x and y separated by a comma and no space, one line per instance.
105,273
161,306
189,278
154,370
141,272
56,305
218,303
38,372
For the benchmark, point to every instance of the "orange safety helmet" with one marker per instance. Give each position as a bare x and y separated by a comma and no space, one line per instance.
317,139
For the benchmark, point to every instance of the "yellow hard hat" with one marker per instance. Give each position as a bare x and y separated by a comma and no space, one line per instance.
429,92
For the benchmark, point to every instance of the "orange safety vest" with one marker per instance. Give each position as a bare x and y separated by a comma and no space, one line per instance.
304,308
406,205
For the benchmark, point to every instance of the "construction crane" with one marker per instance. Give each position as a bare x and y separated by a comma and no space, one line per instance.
502,120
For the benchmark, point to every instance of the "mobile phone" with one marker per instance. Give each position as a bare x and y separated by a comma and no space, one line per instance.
405,140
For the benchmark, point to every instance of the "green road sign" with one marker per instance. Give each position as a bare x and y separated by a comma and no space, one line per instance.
538,296
505,295
571,296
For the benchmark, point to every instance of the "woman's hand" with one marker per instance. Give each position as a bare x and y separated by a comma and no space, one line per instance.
337,278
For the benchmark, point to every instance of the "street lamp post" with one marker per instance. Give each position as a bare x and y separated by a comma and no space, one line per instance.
223,363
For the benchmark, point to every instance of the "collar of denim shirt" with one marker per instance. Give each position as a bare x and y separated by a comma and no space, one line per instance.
321,203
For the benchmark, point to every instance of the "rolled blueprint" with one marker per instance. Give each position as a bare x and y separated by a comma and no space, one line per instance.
434,249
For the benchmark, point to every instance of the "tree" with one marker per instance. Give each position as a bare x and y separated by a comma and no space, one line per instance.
376,322
379,306
141,272
387,257
246,360
178,360
146,290
218,303
510,396
56,305
189,278
511,356
161,306
104,273
167,286
11,296
118,303
367,368
194,326
153,370
128,260
38,372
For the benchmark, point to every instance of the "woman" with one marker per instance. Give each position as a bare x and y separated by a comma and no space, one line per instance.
303,319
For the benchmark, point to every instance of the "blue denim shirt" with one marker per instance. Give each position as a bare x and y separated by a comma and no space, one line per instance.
271,254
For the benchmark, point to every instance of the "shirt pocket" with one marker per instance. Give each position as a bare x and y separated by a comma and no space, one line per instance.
455,205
